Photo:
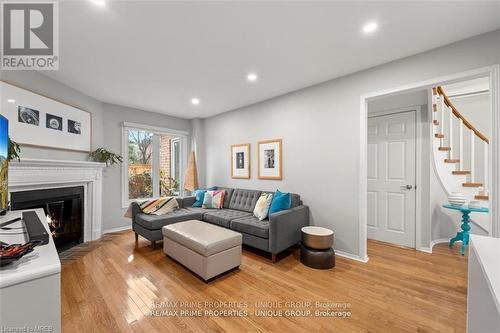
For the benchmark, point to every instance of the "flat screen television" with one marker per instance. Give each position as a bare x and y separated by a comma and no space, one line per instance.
4,147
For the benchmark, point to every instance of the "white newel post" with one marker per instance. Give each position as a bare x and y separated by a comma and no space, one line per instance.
37,174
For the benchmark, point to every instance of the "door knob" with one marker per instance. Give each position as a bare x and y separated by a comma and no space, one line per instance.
407,187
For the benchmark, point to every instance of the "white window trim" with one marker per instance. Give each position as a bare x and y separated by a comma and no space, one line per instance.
183,135
173,169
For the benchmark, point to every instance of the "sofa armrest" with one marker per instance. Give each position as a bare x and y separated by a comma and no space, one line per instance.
284,228
136,209
187,201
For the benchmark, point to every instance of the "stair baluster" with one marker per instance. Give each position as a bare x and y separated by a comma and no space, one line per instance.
485,166
441,109
472,155
450,131
461,145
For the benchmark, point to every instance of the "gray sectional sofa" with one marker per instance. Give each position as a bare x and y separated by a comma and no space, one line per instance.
273,235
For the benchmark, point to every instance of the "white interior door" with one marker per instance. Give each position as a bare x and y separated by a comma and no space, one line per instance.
391,178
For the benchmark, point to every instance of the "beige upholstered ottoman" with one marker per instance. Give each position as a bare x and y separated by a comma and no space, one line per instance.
206,249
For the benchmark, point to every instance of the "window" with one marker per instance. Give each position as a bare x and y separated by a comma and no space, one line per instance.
153,163
140,164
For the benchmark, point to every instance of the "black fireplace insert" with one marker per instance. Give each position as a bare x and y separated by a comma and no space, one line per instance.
63,208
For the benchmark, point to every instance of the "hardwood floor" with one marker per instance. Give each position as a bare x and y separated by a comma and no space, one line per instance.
111,287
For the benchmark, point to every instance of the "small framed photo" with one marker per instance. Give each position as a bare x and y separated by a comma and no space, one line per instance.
74,127
54,122
270,154
28,116
240,161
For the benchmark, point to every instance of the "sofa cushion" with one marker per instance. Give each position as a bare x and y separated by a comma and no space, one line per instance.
153,222
251,225
295,200
199,210
227,196
244,200
223,217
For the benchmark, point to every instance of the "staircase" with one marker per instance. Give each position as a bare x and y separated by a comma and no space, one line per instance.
460,153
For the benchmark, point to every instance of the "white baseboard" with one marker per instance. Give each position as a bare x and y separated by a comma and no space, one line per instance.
351,256
424,249
108,231
439,241
434,242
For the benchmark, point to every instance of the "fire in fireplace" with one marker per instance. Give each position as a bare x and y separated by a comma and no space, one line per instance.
63,208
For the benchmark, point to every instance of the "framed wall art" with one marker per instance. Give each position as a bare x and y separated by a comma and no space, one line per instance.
240,161
39,121
270,153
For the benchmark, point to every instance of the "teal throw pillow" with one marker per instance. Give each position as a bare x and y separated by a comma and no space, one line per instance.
281,201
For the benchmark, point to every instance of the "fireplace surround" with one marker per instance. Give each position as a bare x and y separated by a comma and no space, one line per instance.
47,175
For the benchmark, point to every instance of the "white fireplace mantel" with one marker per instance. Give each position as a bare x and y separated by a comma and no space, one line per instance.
36,174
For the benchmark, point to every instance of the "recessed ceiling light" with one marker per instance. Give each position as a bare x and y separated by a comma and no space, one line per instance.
370,27
252,77
11,100
99,2
195,101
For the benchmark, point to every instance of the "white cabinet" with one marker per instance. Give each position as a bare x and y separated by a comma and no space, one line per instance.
483,293
30,288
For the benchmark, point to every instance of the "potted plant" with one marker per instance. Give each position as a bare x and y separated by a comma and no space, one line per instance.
14,150
105,156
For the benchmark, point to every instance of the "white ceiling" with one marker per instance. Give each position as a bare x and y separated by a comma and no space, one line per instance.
157,55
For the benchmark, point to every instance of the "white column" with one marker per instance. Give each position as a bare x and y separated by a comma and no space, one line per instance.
472,157
461,145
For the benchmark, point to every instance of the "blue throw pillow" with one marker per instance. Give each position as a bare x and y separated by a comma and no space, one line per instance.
281,201
200,195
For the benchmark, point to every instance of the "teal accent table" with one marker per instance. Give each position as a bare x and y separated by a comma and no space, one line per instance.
464,234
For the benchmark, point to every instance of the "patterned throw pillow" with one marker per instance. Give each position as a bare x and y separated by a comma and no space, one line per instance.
213,199
200,195
159,206
262,207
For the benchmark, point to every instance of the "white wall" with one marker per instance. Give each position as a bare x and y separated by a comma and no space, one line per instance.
476,109
41,84
320,128
113,118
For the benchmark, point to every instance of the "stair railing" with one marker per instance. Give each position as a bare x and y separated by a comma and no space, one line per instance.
445,103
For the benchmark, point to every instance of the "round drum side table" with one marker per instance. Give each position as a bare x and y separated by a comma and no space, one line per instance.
316,249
